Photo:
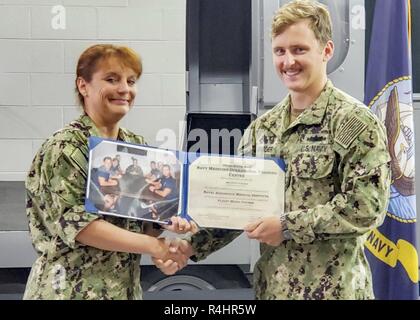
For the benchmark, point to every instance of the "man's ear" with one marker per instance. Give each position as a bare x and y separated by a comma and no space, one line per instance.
82,86
328,51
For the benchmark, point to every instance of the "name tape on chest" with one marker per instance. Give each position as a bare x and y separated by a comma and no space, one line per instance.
349,132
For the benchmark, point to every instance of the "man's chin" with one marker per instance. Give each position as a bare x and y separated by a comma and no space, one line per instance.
295,87
291,83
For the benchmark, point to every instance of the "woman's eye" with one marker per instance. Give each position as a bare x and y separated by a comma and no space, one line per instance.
111,80
131,82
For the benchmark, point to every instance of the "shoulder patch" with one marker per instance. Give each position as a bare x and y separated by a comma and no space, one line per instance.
77,157
350,131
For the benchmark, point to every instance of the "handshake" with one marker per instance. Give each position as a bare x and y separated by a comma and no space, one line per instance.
178,251
174,253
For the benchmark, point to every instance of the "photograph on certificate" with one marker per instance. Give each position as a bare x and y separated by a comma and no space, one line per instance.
133,181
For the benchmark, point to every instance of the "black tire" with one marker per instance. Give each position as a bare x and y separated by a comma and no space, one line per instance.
194,277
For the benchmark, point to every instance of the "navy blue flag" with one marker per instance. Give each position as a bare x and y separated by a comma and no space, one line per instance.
391,248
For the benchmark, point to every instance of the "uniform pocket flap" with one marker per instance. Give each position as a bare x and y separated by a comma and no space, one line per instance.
312,165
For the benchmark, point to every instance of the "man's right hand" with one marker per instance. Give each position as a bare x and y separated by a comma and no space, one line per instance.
178,254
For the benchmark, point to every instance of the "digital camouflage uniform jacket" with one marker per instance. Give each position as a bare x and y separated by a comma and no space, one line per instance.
55,186
336,190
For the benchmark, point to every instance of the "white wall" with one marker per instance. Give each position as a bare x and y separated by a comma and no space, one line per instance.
37,68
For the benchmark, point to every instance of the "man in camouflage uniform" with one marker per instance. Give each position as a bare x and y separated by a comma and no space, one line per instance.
66,268
337,179
337,187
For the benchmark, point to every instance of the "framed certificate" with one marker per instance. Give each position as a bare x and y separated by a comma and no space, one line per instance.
147,183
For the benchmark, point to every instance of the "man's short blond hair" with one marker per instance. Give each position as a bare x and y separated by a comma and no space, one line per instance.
297,10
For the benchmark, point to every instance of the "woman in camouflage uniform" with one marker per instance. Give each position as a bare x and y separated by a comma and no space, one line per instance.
83,255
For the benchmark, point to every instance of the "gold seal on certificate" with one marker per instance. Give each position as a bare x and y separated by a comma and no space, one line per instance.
230,192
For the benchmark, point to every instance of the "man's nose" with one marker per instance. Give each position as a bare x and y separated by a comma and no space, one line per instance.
289,59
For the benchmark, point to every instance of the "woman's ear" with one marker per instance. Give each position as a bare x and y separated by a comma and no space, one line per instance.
82,86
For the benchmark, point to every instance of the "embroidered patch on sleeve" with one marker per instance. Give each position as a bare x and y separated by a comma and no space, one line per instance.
350,131
77,157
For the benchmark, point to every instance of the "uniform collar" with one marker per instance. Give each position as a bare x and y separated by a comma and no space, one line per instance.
93,130
278,120
315,113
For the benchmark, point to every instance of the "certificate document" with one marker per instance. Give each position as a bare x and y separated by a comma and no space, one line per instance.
216,191
230,192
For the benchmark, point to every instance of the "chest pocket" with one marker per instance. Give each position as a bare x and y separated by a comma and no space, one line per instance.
312,165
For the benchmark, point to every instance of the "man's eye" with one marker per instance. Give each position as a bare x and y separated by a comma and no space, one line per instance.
131,82
111,80
278,52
